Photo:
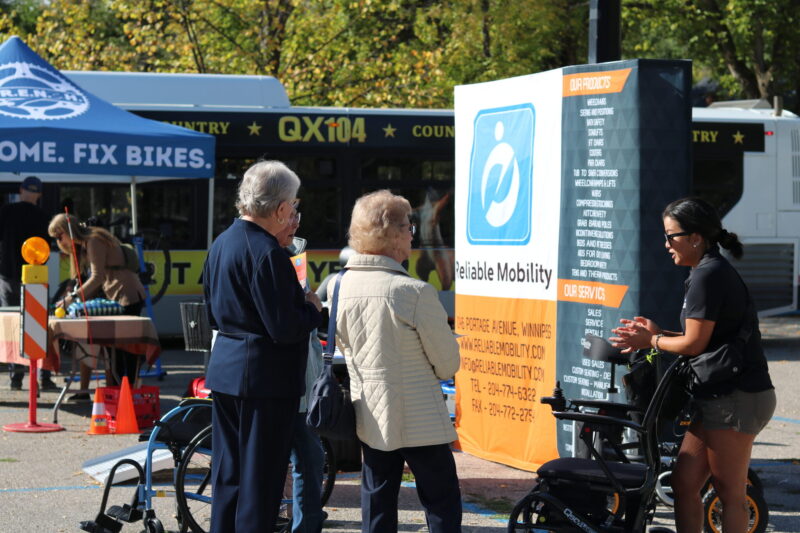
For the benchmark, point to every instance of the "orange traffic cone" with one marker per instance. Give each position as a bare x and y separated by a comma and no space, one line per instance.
126,415
99,424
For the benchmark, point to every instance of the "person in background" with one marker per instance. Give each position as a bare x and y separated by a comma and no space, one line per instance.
101,254
258,360
397,343
728,415
18,222
307,456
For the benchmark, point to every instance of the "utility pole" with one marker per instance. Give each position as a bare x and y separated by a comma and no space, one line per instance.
604,30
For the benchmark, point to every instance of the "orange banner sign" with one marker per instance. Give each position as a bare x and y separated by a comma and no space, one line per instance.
591,292
508,361
610,81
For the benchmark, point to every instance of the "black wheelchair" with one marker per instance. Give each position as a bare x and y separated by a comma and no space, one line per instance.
598,493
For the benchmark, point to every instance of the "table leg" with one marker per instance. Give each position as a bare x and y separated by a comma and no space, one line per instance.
62,396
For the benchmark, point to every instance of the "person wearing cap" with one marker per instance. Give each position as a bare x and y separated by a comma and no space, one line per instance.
18,222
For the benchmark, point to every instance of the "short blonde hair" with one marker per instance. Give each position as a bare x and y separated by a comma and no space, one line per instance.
376,221
264,186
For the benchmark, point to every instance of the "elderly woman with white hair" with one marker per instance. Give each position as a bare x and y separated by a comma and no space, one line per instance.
257,368
397,343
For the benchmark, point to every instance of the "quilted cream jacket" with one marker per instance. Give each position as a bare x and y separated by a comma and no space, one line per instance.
394,334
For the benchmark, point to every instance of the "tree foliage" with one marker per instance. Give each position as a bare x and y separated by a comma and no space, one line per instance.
404,53
750,46
327,52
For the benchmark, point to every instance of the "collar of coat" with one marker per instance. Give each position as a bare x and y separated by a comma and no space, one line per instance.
373,262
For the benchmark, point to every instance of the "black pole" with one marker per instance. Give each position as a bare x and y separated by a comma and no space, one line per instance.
604,30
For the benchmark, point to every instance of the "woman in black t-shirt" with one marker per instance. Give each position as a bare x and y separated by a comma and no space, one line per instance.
729,415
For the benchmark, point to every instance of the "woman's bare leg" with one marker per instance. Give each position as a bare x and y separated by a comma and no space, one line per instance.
86,375
688,477
729,458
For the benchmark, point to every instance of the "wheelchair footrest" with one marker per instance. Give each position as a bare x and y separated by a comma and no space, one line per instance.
126,513
101,524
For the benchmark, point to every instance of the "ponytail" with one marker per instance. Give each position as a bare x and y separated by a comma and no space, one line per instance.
730,241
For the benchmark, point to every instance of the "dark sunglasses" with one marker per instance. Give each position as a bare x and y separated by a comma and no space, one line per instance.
669,236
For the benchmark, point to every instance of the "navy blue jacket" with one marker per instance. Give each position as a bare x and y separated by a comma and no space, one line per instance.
258,307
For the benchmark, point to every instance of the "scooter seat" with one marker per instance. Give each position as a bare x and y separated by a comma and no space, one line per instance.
630,475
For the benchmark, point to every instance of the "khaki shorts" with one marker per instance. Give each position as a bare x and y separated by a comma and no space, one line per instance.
745,412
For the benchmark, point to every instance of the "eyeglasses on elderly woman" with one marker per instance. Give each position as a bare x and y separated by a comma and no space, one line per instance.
411,227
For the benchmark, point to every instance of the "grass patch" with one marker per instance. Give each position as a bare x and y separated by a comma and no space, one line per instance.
501,506
8,460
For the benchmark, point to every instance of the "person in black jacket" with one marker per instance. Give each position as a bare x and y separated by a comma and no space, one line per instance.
18,222
730,414
258,360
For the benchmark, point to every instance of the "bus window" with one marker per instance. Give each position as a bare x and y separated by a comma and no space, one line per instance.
320,203
226,185
719,182
107,205
320,200
428,186
407,169
311,167
433,214
172,211
322,222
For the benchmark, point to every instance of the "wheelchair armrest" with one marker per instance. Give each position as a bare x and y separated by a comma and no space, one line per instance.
604,404
189,402
597,419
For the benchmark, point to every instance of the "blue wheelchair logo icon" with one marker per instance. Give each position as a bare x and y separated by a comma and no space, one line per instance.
501,176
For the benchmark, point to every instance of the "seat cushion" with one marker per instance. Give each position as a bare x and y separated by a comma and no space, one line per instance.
630,475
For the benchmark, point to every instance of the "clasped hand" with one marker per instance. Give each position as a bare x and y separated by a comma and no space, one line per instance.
636,334
314,299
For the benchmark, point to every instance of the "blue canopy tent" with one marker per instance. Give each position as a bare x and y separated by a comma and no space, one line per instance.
52,128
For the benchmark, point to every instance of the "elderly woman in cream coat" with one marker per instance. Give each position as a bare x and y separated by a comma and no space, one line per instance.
394,334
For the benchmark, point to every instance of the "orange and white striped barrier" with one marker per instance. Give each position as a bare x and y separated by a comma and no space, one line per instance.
33,330
34,321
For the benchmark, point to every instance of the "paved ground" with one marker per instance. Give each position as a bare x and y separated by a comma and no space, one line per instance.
42,486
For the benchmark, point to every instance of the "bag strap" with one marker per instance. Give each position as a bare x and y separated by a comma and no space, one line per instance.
330,346
746,329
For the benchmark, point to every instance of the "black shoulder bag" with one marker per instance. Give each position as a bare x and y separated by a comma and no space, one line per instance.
330,410
727,361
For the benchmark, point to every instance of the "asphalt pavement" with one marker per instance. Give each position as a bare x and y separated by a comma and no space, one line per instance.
43,489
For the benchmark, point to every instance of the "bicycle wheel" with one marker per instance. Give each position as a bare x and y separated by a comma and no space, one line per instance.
193,489
759,512
328,471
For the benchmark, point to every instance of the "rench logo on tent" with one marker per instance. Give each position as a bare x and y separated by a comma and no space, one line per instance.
500,176
29,91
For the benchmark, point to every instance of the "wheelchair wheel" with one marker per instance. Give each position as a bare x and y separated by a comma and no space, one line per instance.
759,512
153,525
193,489
529,515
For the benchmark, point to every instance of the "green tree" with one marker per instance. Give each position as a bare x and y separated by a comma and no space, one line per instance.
750,46
328,52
